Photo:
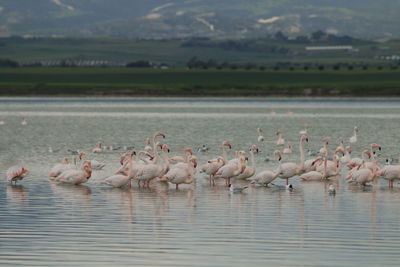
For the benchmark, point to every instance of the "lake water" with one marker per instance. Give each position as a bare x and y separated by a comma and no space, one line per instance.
44,224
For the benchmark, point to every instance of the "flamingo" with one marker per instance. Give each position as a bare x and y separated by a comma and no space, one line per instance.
120,180
152,170
250,170
361,175
61,167
290,169
341,144
288,150
231,169
148,145
333,166
24,122
355,162
76,177
304,132
182,173
280,141
260,137
266,177
99,148
324,149
353,139
390,173
16,173
346,157
213,165
316,175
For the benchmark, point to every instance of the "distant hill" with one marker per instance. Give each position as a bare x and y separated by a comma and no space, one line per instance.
198,18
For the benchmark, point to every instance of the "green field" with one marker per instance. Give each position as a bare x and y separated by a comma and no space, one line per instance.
124,81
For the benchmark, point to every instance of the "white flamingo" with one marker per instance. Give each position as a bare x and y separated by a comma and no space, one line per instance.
250,169
325,142
290,169
288,150
120,180
316,175
76,176
99,148
266,177
182,173
16,173
353,139
231,169
304,132
280,141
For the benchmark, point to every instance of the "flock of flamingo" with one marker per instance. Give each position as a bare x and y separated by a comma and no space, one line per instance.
153,163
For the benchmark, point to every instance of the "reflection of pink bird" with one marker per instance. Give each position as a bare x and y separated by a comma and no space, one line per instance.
16,173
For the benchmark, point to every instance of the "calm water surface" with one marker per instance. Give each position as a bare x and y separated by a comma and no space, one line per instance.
44,224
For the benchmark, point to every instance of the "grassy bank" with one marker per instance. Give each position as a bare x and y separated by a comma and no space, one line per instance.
123,81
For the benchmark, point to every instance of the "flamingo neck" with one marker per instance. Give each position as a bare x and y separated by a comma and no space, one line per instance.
130,166
325,167
301,155
224,153
278,171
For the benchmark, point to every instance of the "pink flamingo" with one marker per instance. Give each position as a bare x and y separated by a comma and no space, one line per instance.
390,173
290,169
316,175
231,169
120,180
347,155
99,148
280,141
353,139
148,145
288,150
16,173
182,173
333,167
213,165
76,176
260,137
250,170
266,177
324,149
61,167
362,175
304,132
96,165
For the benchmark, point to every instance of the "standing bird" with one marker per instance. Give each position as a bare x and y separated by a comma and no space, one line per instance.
290,169
280,141
181,173
16,173
260,137
250,170
304,132
288,150
231,169
316,175
353,139
99,148
266,177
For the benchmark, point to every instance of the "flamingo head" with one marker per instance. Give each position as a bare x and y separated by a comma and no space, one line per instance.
254,148
304,138
368,153
278,155
279,132
289,144
193,159
24,171
188,150
326,140
376,146
341,139
81,155
148,141
226,143
339,150
348,149
65,161
355,128
259,130
166,148
316,160
159,134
